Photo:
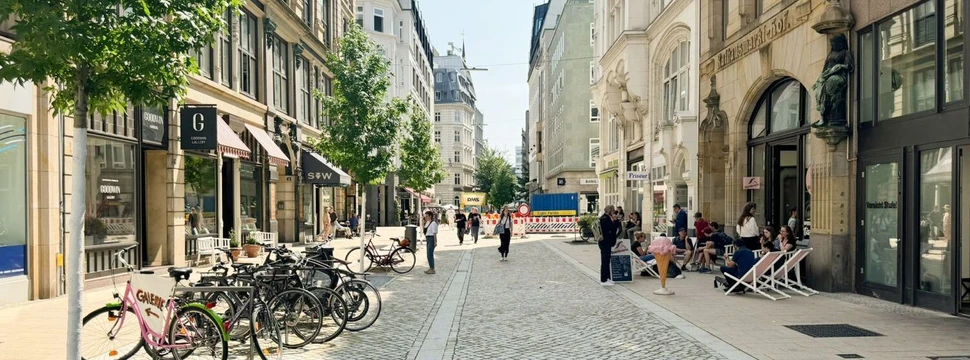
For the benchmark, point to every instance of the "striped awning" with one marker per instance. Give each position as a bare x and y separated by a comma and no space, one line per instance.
275,155
229,143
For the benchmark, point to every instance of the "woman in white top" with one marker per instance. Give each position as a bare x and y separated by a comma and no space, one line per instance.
431,234
505,234
747,227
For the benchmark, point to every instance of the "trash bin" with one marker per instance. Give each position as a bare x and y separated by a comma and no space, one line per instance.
411,234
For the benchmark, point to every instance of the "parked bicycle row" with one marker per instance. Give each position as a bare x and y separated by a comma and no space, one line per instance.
288,301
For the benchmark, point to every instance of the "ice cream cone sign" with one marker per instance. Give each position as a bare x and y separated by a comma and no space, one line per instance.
663,250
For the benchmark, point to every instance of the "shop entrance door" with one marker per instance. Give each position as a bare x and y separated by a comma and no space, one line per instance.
783,184
879,228
934,251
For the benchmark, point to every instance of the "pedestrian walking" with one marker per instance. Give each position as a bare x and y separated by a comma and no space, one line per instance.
609,225
504,228
461,225
450,214
333,224
327,224
430,233
474,223
747,227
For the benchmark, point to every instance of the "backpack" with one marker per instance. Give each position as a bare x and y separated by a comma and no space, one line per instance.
597,231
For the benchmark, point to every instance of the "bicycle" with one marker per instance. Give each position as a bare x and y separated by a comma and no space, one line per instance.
190,325
398,257
362,298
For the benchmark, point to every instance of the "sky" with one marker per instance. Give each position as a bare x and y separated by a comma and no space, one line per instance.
497,34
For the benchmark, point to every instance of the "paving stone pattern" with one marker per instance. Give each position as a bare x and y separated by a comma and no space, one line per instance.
538,306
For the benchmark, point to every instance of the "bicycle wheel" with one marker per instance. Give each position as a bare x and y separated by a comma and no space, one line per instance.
200,332
297,313
402,260
106,333
265,333
224,305
334,315
361,295
353,257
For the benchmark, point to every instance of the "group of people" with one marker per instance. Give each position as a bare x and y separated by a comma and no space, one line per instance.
467,224
333,228
711,241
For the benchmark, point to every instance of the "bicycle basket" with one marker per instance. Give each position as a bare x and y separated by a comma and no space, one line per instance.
405,243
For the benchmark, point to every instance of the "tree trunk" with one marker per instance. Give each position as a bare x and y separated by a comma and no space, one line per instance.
363,218
75,248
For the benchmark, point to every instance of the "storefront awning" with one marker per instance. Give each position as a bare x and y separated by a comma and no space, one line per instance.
275,155
608,174
411,191
425,199
229,143
319,171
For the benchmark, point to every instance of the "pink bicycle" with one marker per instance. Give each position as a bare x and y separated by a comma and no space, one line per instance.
163,324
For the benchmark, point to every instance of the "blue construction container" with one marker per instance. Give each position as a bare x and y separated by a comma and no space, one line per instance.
555,204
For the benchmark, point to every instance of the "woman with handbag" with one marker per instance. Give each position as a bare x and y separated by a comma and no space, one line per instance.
431,234
504,232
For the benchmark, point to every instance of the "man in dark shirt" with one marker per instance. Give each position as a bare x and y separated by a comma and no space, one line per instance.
609,225
461,223
475,221
742,261
680,219
684,246
700,229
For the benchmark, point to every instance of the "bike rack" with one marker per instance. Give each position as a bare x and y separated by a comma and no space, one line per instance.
239,289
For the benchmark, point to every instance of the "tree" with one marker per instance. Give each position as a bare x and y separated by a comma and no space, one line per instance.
98,55
503,187
490,164
421,165
361,138
200,175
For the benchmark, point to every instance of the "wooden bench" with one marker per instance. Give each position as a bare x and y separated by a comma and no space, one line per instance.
210,246
265,238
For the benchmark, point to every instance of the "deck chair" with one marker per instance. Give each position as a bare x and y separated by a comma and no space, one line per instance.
681,260
791,263
760,278
640,265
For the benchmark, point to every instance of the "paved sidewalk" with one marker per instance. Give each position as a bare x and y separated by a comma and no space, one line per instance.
755,324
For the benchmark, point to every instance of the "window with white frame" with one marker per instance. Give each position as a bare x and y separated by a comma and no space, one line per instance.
303,86
594,151
592,72
307,13
438,77
594,112
437,114
281,84
676,81
458,117
592,34
379,20
457,136
225,50
437,96
360,16
457,179
437,137
458,156
248,68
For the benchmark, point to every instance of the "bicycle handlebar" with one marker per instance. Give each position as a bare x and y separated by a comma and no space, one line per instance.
121,258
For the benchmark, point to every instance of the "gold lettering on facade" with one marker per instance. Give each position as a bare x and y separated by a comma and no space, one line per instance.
756,39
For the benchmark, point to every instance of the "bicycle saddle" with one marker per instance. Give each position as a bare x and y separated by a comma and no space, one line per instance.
179,273
237,266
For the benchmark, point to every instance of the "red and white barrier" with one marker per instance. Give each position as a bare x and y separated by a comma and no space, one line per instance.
535,225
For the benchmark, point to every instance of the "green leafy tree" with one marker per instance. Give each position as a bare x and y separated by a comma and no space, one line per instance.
97,55
421,165
503,187
200,175
364,128
490,164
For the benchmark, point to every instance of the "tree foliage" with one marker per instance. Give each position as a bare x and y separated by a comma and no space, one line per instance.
421,165
200,174
101,54
364,125
503,187
495,176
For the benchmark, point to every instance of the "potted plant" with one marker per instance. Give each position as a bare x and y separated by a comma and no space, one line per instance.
94,231
252,247
234,246
585,224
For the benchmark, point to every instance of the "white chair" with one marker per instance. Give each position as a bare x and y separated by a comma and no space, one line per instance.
760,277
265,238
640,265
792,262
209,246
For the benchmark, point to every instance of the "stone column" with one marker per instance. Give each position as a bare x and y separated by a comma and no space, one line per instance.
175,193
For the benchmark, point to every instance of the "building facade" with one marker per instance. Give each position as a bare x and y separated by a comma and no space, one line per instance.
649,106
458,126
148,186
398,29
560,75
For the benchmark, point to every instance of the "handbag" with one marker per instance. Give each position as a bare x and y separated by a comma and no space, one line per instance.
499,228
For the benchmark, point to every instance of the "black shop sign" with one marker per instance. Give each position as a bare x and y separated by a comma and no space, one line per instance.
153,125
198,128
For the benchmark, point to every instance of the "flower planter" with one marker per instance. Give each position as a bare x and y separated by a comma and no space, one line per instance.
251,250
235,253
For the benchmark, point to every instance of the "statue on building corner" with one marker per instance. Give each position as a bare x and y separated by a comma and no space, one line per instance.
832,85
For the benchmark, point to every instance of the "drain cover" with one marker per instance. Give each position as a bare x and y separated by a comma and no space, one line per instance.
958,357
832,330
378,280
850,356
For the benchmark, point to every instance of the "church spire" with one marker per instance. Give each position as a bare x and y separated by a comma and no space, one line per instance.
463,45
